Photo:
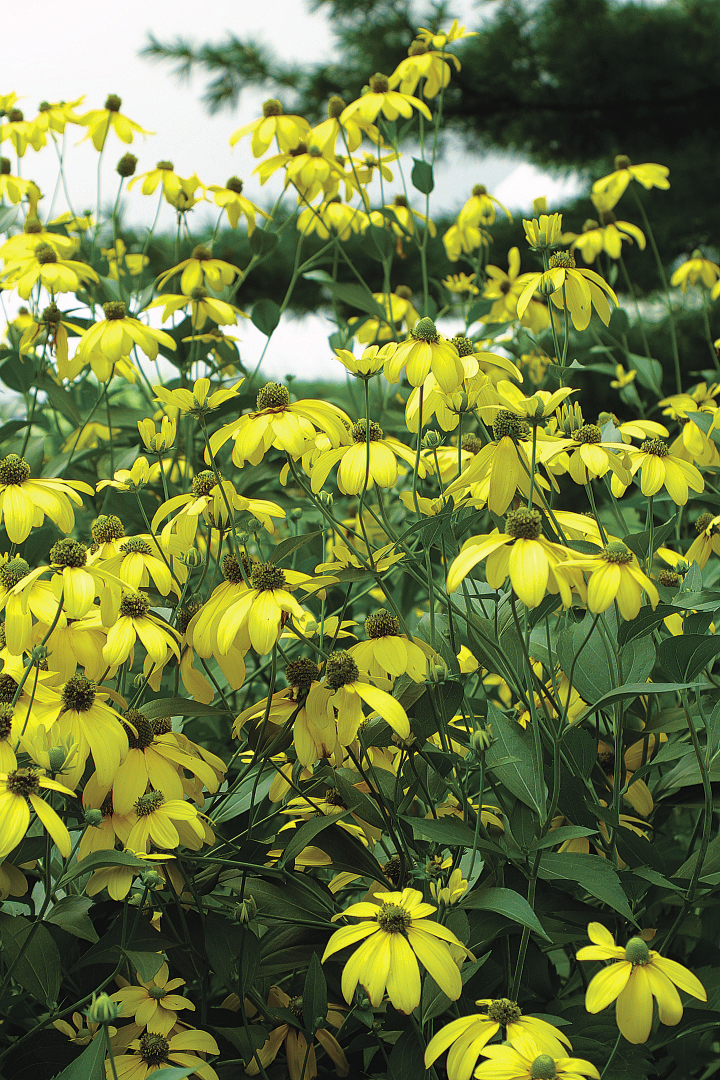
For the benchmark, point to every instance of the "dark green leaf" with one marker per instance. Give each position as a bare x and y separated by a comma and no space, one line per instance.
382,243
99,859
505,902
649,372
639,543
233,951
314,997
38,969
685,657
262,242
245,1040
406,1059
447,831
595,876
90,1065
633,690
304,836
265,315
286,547
559,836
146,964
510,741
422,176
71,913
478,309
179,707
644,622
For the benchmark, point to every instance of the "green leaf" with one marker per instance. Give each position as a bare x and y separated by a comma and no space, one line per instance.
71,913
644,622
447,831
90,1065
349,854
478,309
303,837
595,876
38,969
179,707
286,547
505,902
245,1040
262,242
510,741
406,1059
357,296
639,543
632,690
559,836
233,951
685,657
314,997
146,964
61,400
100,859
266,315
422,176
174,1073
381,240
649,372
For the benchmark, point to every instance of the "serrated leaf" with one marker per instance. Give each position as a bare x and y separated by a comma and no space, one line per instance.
505,902
422,176
38,969
265,315
596,876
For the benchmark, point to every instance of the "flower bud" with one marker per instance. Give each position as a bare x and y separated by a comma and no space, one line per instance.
102,1009
246,911
127,165
192,557
93,818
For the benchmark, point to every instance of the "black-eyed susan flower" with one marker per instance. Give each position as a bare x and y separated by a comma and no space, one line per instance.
615,574
15,187
231,199
25,503
326,134
166,823
422,63
135,621
613,186
500,467
23,597
579,290
466,1036
520,553
439,39
133,479
309,171
636,976
51,328
659,468
44,266
381,99
395,934
153,1002
423,352
707,541
118,333
78,582
135,561
350,689
286,129
19,792
21,132
530,1058
387,651
201,270
152,1052
372,458
588,456
280,423
122,262
332,215
405,218
100,121
81,717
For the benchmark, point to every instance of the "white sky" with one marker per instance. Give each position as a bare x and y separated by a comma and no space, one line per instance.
82,47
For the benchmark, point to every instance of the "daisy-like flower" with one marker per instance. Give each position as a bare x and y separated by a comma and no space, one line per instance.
480,208
405,218
100,121
640,975
350,689
615,574
426,64
463,240
152,1052
201,270
19,792
613,186
301,1061
580,290
43,265
15,187
203,307
588,457
398,309
197,401
530,1058
262,609
326,134
426,351
78,582
167,823
659,468
133,479
333,215
21,132
381,99
608,236
309,171
520,553
696,268
395,934
278,422
135,621
93,726
387,651
231,199
122,261
707,541
287,130
34,235
51,328
440,39
23,597
467,1035
24,502
543,233
118,333
152,1002
461,284
172,184
371,362
371,459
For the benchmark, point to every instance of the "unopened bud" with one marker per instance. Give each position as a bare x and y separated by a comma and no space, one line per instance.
481,740
431,439
246,911
93,818
192,557
326,498
102,1010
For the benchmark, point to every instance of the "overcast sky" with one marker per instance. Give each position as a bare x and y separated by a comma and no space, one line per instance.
81,47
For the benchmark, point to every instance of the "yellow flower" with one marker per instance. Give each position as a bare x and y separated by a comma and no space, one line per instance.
99,122
16,188
463,240
467,1035
613,186
24,502
538,406
521,553
261,610
581,290
640,975
606,237
426,351
388,652
23,597
202,307
201,270
157,442
480,208
371,459
370,363
405,218
172,184
273,124
121,262
616,575
198,400
151,1052
398,309
129,479
588,456
118,333
44,266
440,39
168,823
135,621
153,1003
527,1057
622,378
309,172
422,63
335,215
19,791
544,232
696,268
20,132
381,99
234,203
301,1061
659,468
461,283
396,933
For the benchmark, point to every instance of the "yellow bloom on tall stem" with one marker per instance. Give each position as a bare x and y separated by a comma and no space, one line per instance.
24,502
395,934
153,1052
659,468
371,459
579,290
234,203
530,1058
381,99
613,186
99,122
636,976
262,609
288,130
118,333
350,689
153,1003
426,64
167,823
387,651
44,266
19,791
135,621
615,575
426,351
201,270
